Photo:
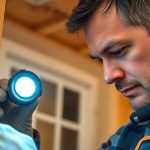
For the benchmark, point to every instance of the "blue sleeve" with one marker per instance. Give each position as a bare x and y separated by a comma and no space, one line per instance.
112,142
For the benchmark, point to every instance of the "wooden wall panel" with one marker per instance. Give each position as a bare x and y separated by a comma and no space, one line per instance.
124,110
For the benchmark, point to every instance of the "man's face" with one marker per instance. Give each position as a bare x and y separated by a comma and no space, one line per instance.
125,53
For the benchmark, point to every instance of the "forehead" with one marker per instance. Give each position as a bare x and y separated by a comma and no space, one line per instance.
103,27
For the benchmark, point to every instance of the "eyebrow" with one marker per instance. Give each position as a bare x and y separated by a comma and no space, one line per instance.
109,45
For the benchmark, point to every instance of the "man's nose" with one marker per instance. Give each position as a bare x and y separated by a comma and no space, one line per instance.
113,73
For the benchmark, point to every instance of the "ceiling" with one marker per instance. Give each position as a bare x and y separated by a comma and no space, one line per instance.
47,20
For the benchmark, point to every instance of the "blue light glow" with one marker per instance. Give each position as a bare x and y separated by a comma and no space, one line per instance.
25,87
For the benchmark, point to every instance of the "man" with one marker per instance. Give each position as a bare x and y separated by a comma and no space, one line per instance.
117,34
16,132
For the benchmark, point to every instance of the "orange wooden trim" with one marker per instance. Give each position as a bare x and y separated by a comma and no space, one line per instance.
145,138
2,10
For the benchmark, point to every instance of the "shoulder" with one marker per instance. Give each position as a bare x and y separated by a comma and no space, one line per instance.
113,140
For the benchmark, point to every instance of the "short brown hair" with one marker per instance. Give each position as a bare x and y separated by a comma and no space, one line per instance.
133,12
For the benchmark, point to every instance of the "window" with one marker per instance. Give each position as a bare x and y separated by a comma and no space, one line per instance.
65,114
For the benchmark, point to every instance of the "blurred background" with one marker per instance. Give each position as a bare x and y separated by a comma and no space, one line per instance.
77,111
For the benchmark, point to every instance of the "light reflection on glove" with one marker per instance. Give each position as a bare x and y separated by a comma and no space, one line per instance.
19,117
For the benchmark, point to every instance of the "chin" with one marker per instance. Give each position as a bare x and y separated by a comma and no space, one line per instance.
139,102
137,106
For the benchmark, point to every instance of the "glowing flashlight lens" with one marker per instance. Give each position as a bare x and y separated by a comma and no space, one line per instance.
25,87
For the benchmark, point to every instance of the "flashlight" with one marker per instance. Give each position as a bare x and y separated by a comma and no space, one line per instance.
24,87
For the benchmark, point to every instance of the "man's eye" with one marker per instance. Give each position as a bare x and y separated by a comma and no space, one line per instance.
99,60
96,58
119,52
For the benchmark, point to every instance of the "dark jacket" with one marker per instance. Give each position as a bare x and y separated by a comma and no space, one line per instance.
129,137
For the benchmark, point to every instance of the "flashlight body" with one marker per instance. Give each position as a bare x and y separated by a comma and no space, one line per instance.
15,96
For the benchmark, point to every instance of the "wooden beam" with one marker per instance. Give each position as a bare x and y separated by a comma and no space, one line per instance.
64,6
52,27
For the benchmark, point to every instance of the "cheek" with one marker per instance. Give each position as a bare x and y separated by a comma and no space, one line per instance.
139,55
140,69
138,63
140,52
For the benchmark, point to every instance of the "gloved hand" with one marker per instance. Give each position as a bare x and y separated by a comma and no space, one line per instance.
18,117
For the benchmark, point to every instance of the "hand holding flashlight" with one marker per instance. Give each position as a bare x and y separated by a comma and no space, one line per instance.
18,116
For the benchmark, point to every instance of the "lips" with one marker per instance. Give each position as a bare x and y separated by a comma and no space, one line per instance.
130,91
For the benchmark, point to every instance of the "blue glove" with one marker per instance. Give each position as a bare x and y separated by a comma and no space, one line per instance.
18,117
